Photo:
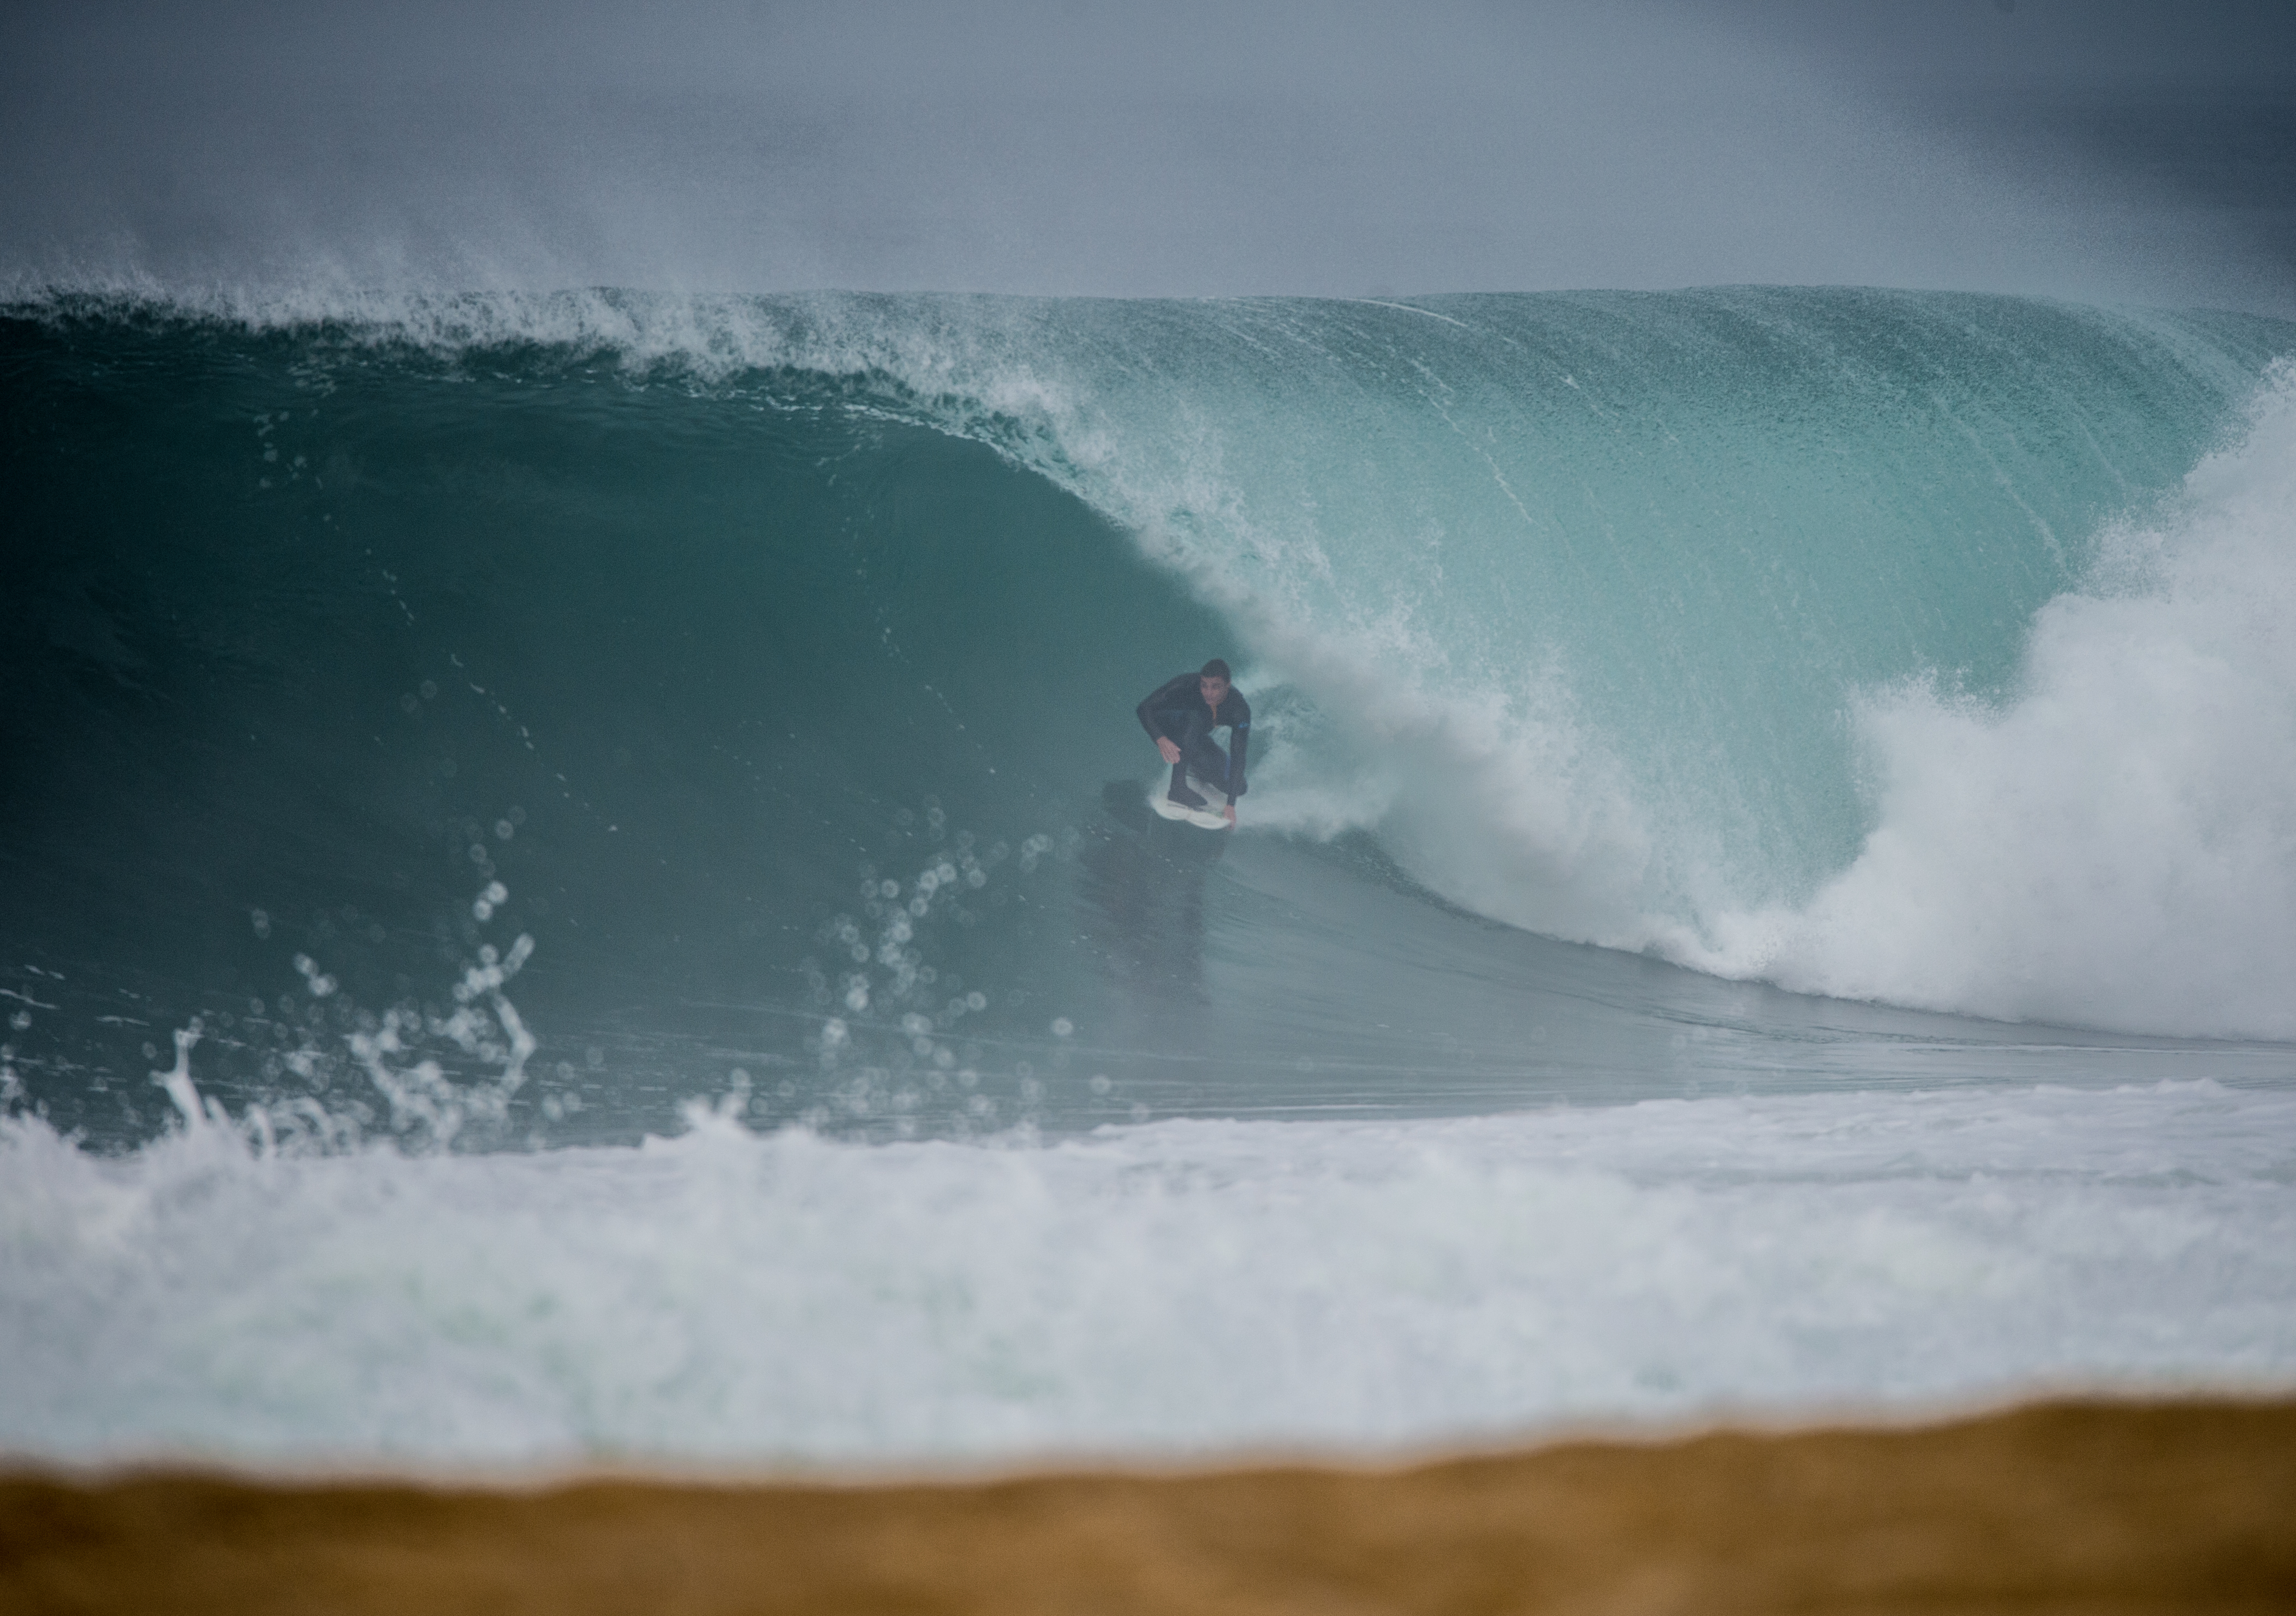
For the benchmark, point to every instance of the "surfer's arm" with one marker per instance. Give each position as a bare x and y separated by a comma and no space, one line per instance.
1146,712
1160,697
1239,739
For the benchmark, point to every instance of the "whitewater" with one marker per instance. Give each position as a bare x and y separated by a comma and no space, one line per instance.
576,878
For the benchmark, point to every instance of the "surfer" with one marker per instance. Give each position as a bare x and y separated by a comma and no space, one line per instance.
1180,716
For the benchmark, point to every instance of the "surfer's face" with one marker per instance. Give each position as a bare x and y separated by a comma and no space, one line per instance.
1215,691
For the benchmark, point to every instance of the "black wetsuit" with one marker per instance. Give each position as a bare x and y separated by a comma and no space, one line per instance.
1175,711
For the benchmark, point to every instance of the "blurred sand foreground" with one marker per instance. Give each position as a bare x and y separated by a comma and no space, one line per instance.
2067,1507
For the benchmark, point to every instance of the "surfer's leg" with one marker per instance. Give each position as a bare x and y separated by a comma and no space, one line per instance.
1194,740
1207,762
1201,755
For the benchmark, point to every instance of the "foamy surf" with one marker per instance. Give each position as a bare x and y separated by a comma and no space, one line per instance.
1182,1288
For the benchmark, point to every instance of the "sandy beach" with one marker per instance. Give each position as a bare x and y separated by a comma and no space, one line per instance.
2090,1507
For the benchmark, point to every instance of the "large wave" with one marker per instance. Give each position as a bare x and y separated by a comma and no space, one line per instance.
1885,644
1637,620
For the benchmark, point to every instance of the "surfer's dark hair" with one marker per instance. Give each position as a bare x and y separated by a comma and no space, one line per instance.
1215,669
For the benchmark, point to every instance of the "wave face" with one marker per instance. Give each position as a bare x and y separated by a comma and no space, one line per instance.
1886,645
1715,753
1784,633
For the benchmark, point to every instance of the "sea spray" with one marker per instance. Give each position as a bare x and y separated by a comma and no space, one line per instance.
2113,843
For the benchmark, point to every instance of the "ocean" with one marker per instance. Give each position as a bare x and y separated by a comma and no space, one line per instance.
576,879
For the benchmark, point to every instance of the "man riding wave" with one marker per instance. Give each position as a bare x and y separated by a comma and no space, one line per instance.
1180,716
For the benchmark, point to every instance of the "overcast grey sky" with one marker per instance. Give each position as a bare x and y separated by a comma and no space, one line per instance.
2098,150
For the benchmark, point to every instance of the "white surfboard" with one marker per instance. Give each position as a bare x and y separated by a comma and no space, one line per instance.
1209,816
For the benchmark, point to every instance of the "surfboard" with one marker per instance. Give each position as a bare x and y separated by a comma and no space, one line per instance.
1209,816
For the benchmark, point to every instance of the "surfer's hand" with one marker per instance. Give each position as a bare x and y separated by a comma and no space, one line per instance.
1170,748
1230,812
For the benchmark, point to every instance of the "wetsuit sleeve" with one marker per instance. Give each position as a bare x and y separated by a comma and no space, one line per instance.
1239,739
1158,700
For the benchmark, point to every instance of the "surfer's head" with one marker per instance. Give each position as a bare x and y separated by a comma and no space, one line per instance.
1212,680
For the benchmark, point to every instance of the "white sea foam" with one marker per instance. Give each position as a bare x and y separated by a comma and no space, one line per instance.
2115,846
1183,1287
